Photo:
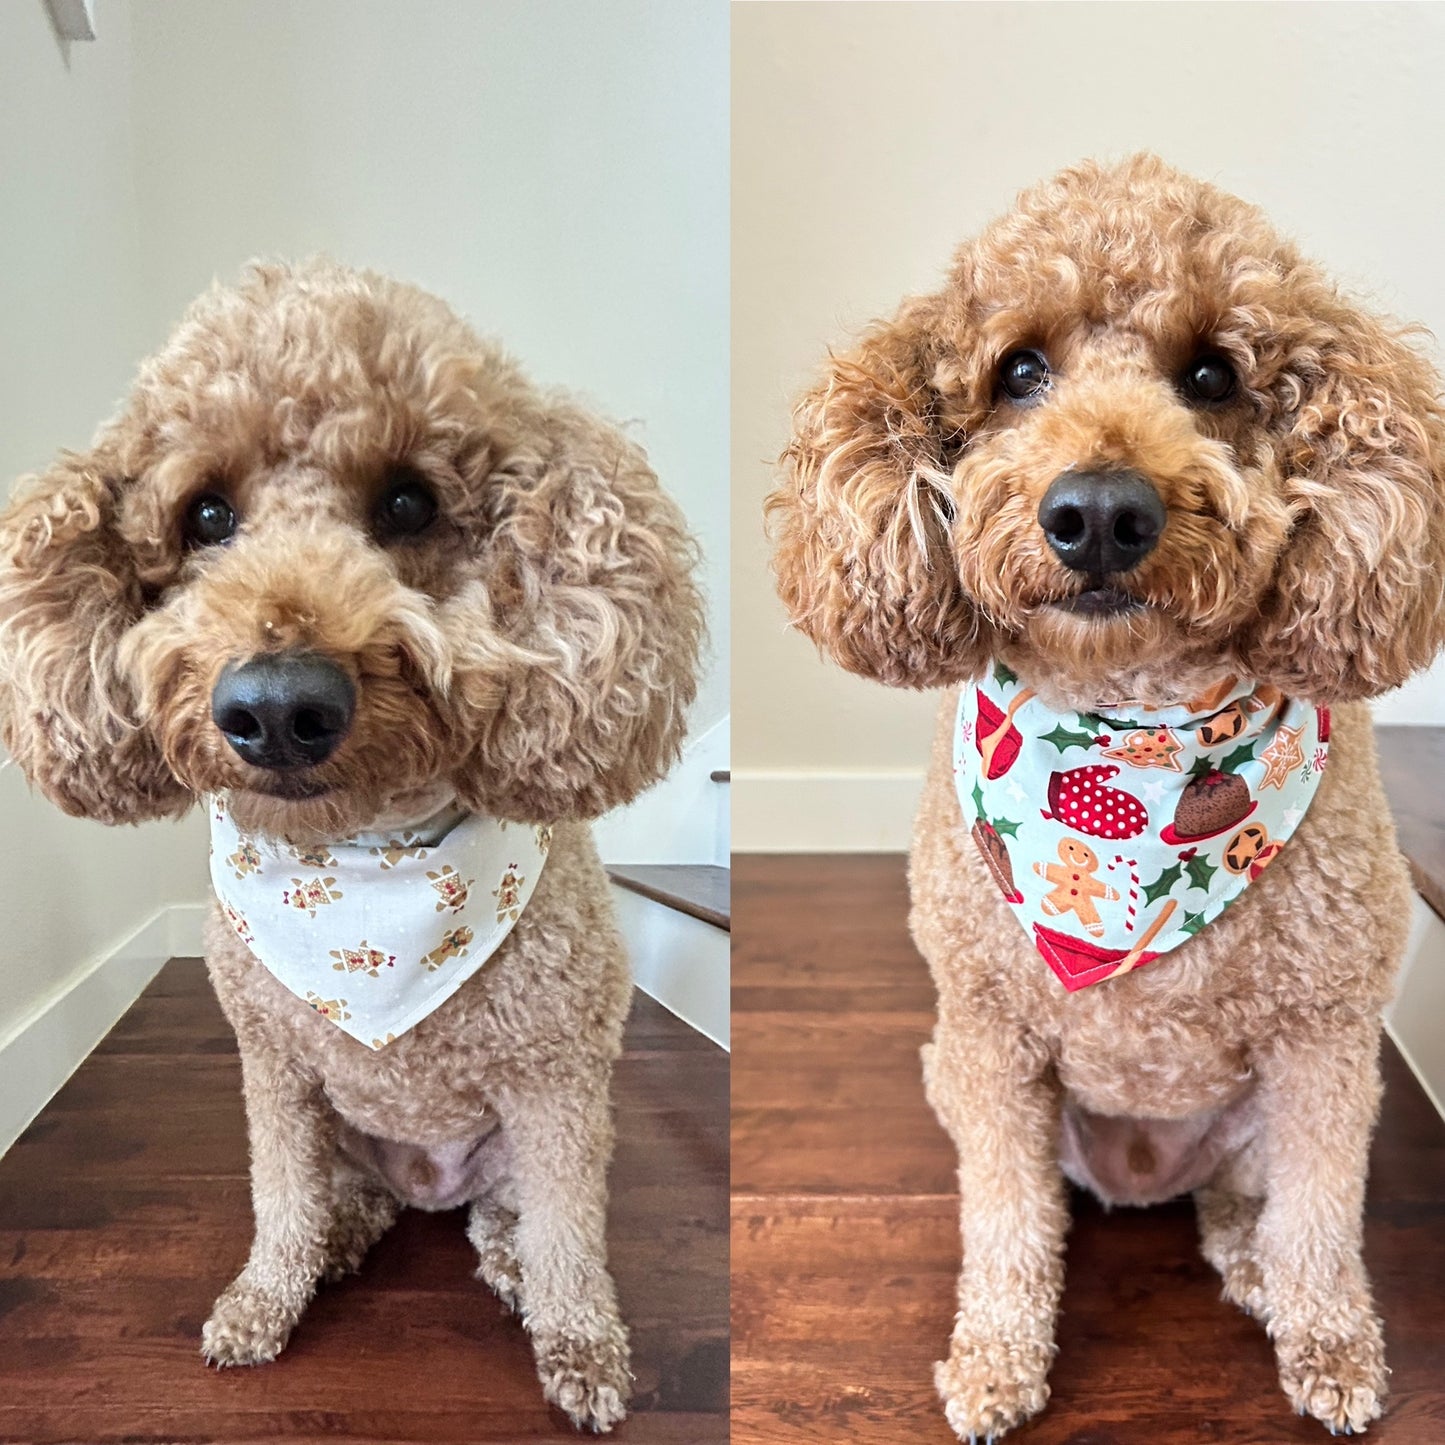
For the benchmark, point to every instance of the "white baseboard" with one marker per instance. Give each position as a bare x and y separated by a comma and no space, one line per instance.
680,961
777,811
45,1047
1415,1016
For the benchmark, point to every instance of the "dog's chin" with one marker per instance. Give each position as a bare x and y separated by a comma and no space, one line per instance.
1100,649
292,806
305,810
1104,603
302,787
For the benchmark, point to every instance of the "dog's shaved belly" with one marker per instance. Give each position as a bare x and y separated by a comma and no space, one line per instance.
1153,1119
432,1176
1146,1160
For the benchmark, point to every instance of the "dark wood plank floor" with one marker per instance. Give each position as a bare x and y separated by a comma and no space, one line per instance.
845,1242
124,1209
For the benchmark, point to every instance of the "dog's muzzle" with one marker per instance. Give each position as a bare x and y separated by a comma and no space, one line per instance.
287,710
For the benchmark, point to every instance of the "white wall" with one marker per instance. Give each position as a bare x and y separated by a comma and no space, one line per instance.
74,322
869,139
1414,1015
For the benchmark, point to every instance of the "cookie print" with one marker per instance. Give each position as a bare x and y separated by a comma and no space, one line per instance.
1148,748
1076,890
246,859
1115,835
309,894
401,914
454,944
451,887
363,959
508,893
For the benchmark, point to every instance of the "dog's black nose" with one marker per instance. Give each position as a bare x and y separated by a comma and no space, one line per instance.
288,710
1101,522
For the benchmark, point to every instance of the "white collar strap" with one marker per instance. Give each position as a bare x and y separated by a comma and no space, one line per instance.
1117,835
378,930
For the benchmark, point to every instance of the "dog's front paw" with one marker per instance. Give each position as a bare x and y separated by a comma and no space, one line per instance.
990,1385
247,1327
1340,1380
588,1379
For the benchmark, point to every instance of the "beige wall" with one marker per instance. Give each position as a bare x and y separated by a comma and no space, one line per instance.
73,320
868,139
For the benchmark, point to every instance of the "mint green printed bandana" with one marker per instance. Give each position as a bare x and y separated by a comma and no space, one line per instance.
1117,835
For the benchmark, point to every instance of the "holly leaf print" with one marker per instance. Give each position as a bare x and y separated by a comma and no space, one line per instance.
1005,828
1156,890
1201,871
1244,753
1100,723
1193,922
1063,739
1003,676
978,799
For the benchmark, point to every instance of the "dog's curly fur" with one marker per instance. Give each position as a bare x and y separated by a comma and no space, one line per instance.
1304,547
530,655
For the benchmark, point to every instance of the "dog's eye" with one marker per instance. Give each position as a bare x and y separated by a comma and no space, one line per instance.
407,506
1023,374
1210,378
209,519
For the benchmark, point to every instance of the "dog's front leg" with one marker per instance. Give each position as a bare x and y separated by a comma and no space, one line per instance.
1320,1088
292,1148
561,1139
994,1095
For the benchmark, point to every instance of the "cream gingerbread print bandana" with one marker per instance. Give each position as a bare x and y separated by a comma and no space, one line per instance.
377,931
1117,835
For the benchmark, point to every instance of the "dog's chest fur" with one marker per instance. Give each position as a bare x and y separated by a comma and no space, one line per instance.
1157,1066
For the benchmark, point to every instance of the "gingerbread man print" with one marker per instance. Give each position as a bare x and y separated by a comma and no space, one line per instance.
1076,890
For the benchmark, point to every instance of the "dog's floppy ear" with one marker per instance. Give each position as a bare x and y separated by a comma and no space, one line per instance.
1357,603
67,594
861,515
588,582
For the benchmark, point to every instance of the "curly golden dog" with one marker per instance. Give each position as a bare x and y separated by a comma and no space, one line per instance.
449,589
1255,465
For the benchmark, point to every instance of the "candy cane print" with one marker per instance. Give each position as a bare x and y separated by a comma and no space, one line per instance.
1132,910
